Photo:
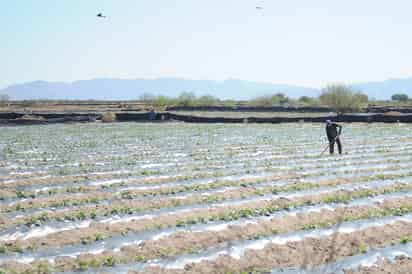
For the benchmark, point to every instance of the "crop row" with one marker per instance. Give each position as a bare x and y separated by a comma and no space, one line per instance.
193,242
358,152
66,200
311,251
248,189
184,217
12,194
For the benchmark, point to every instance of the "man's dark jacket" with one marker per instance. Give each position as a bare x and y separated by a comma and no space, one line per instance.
332,130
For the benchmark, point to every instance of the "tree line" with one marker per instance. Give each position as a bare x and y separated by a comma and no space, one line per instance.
340,97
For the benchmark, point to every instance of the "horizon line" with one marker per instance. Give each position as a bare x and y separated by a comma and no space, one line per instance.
319,87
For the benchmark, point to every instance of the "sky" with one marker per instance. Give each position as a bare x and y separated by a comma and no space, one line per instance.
308,43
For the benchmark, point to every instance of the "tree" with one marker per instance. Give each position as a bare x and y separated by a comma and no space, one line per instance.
283,99
163,101
362,98
4,97
269,100
229,103
342,98
264,101
401,97
186,99
207,100
308,101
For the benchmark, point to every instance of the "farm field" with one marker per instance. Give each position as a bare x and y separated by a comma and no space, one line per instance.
210,198
71,106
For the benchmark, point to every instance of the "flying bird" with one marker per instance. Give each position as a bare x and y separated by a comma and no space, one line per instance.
100,15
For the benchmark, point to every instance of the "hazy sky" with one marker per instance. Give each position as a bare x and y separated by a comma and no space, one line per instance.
301,42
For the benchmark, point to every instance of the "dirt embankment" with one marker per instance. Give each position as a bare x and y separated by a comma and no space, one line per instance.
23,118
17,118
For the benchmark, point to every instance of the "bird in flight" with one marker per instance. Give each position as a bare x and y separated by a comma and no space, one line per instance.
101,15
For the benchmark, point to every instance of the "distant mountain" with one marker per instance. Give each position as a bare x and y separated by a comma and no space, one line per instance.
385,89
120,89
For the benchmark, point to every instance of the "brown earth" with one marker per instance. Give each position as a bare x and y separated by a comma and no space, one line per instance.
392,113
307,253
49,106
401,265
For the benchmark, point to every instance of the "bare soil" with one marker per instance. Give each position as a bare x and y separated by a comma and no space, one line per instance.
401,265
307,253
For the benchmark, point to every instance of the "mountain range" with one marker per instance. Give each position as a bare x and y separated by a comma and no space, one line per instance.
132,89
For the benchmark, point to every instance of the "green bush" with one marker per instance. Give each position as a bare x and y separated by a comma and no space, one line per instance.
229,103
163,101
269,100
109,261
207,100
186,99
400,97
308,101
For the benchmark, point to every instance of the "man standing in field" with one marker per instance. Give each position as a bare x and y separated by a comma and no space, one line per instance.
333,135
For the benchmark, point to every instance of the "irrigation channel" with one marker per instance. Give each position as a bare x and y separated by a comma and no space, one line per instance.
209,198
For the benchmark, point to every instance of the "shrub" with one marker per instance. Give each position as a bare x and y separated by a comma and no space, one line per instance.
186,99
306,100
229,103
400,97
109,117
269,100
342,98
207,100
109,261
163,101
